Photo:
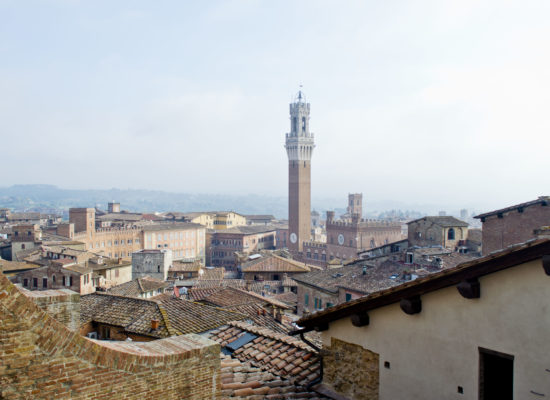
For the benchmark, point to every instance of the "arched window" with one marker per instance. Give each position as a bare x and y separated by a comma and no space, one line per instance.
451,234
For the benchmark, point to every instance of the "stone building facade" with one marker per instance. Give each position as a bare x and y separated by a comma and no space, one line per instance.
515,224
47,360
154,263
25,237
448,232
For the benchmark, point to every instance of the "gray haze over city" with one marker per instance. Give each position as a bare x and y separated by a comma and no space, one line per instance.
423,102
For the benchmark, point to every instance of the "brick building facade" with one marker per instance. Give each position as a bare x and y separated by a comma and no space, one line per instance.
186,240
299,146
243,239
346,238
515,224
75,277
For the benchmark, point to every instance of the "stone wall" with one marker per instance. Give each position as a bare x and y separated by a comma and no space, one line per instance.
40,358
341,372
425,232
154,263
62,304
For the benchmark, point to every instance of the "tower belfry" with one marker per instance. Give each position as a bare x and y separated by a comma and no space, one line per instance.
299,147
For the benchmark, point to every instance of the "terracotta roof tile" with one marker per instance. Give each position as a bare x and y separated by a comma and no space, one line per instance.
138,286
277,353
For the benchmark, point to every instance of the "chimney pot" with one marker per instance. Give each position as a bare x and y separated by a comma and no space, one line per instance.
154,324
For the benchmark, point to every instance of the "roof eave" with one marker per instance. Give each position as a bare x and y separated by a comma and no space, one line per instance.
487,265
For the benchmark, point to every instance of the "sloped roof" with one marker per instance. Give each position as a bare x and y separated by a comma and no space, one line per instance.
6,265
274,263
248,229
176,316
259,316
138,286
233,297
254,217
280,354
181,266
189,317
244,379
543,200
197,294
216,283
171,226
132,217
494,262
289,298
79,268
444,221
133,314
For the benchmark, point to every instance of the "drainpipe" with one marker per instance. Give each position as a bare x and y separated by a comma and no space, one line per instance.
320,378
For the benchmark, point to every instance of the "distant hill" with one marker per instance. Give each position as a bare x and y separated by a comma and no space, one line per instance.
26,197
52,198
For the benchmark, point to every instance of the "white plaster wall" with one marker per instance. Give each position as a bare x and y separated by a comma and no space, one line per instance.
434,352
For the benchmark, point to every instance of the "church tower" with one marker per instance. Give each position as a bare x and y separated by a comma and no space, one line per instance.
299,147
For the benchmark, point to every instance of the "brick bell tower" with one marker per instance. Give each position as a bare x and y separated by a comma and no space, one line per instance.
299,147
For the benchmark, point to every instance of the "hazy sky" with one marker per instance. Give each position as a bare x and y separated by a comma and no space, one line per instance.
441,102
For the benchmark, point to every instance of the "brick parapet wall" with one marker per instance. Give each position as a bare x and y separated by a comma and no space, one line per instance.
42,358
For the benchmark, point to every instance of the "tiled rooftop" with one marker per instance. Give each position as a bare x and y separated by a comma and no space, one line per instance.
242,380
289,298
232,297
261,317
176,316
190,317
445,220
274,263
133,314
169,227
281,355
387,274
138,286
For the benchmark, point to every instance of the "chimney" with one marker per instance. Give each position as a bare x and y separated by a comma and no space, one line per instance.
279,317
330,216
364,270
154,324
